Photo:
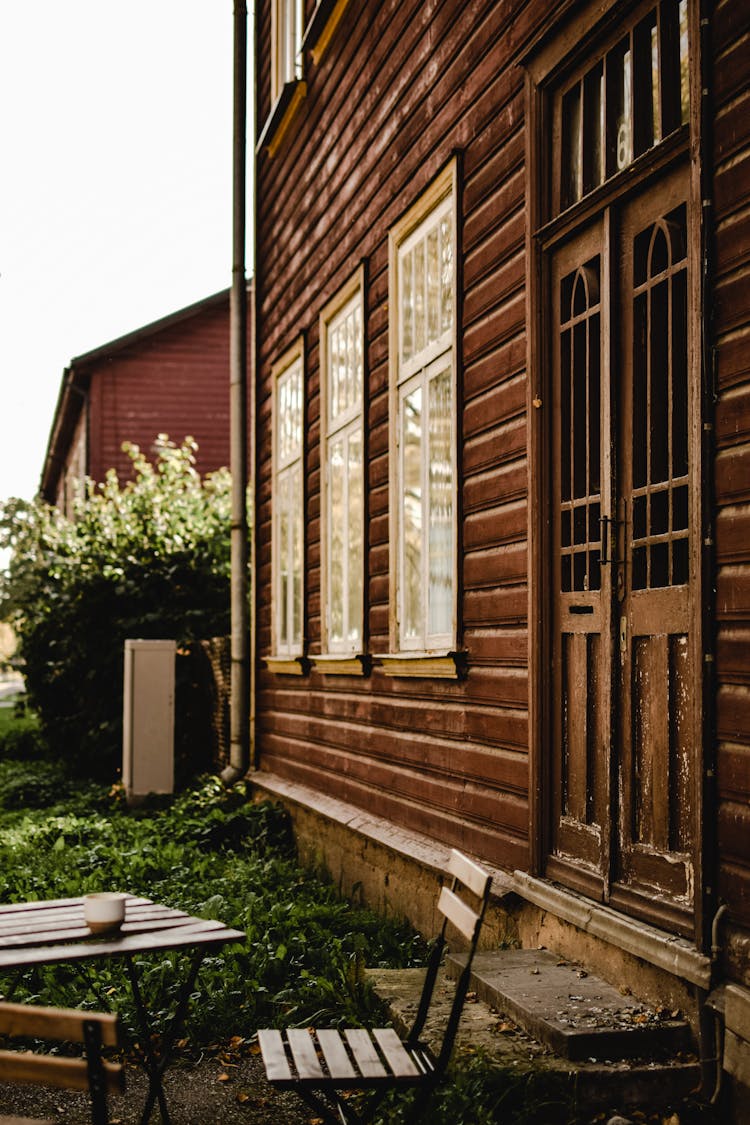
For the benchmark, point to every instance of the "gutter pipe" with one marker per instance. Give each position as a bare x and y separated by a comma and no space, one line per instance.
239,706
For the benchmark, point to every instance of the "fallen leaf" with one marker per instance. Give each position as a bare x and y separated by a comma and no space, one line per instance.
223,1077
242,1096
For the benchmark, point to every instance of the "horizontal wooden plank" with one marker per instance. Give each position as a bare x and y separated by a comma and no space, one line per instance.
201,933
732,474
733,534
462,916
50,1070
474,877
734,772
56,1023
733,593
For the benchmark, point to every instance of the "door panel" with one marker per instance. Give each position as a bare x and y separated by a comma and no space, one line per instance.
581,606
655,743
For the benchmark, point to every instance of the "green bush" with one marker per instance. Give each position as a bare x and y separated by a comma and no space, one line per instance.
149,558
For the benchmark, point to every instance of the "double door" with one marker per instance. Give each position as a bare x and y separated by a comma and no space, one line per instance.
625,740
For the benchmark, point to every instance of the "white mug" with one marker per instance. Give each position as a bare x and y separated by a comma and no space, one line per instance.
104,911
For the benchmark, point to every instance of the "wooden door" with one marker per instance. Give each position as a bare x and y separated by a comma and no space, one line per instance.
624,510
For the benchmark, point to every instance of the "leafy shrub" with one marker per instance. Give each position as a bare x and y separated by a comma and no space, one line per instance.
147,559
20,733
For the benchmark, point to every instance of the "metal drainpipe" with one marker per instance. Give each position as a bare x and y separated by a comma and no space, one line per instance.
710,1022
239,707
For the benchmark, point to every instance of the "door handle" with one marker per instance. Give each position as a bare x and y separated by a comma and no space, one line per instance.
606,522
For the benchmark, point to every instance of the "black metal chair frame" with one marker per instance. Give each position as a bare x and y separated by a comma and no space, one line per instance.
377,1061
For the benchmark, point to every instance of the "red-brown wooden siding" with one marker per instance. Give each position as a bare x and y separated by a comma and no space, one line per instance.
175,382
447,758
405,86
731,77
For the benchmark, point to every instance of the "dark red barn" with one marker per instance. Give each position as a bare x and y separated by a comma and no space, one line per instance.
170,377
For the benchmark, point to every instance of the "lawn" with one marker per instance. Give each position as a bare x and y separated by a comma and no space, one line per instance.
214,853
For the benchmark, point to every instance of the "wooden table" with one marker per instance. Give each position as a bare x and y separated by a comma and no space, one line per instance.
48,933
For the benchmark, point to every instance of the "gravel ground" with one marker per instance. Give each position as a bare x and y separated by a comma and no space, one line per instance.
195,1096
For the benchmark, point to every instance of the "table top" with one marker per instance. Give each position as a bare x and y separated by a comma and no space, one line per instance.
44,933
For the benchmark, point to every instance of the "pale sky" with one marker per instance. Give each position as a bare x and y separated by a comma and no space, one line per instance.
115,188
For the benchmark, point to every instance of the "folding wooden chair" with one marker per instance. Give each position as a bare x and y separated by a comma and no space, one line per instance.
320,1065
93,1029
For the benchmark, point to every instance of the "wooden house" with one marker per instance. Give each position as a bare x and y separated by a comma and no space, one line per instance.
502,467
171,376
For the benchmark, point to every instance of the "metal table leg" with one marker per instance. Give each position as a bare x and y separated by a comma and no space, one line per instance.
154,1066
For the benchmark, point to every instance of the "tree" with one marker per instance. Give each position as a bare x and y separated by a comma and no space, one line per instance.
148,558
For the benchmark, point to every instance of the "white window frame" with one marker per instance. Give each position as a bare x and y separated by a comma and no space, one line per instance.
406,374
288,475
287,18
346,423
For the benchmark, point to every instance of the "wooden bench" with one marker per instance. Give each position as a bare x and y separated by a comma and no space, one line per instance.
93,1029
322,1064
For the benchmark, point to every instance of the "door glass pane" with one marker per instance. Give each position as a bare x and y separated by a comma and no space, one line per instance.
571,143
440,530
446,257
407,306
660,448
411,514
593,108
580,429
619,139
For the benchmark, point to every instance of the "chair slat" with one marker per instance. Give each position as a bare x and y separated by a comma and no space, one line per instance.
364,1052
334,1051
51,1070
274,1056
55,1023
305,1057
468,872
457,912
396,1056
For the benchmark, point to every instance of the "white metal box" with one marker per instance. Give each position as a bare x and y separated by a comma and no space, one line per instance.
148,718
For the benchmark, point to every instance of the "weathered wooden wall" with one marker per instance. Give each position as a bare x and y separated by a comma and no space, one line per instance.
404,87
447,758
731,186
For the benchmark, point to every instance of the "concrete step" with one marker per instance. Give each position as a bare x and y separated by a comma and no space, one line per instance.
527,1068
572,1012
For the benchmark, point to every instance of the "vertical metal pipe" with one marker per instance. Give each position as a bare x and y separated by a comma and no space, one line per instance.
239,710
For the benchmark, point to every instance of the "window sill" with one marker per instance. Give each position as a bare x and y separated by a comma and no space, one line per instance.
279,120
287,665
322,27
341,664
433,665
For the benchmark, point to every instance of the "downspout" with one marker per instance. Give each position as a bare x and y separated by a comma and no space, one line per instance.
710,1004
239,708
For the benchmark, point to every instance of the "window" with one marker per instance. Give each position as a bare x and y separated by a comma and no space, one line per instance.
342,379
286,35
287,548
423,300
633,96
